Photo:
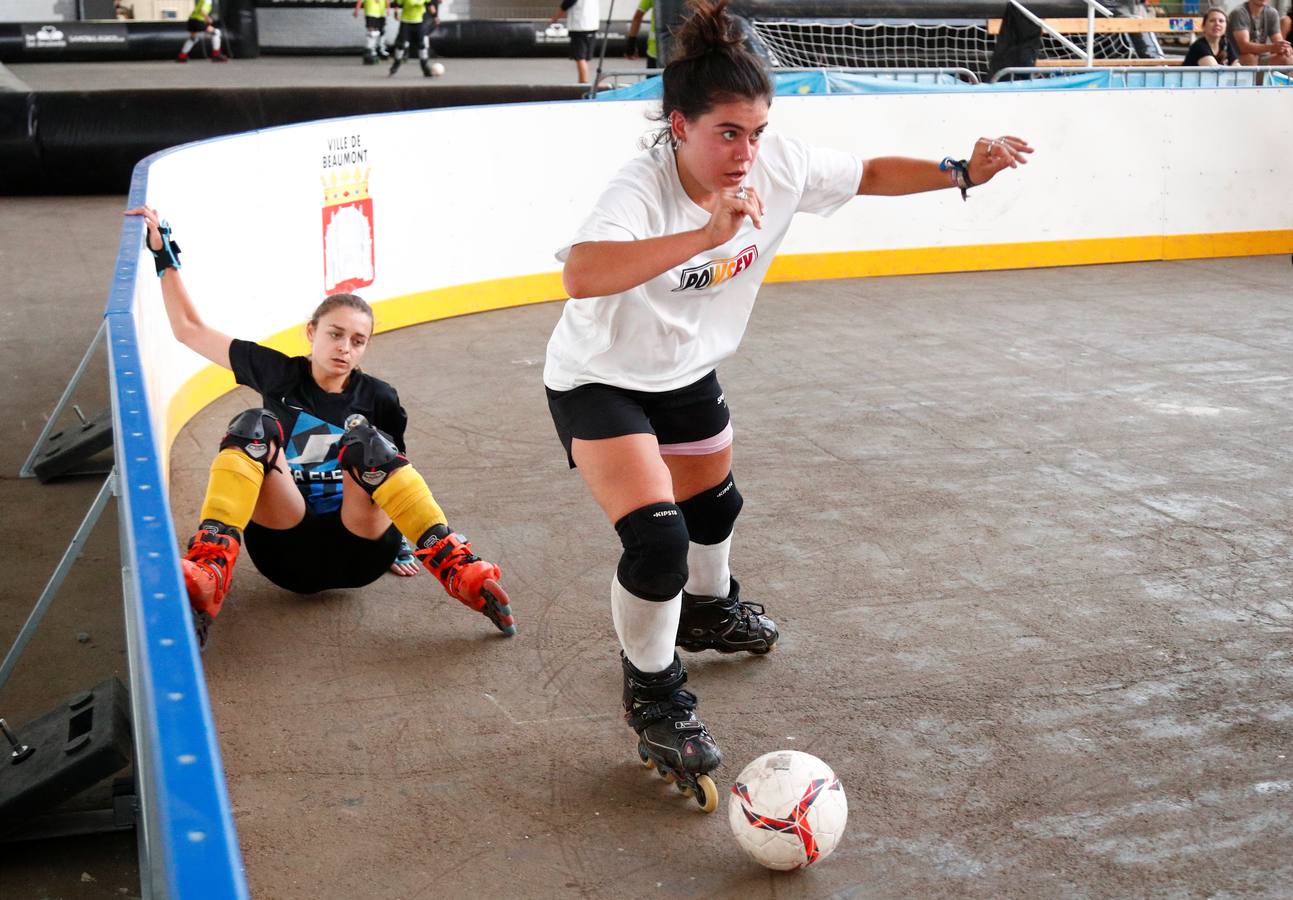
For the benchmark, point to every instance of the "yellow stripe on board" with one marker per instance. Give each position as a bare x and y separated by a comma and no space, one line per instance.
1033,255
443,303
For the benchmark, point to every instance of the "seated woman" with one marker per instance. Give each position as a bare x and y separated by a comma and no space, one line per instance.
1214,48
315,481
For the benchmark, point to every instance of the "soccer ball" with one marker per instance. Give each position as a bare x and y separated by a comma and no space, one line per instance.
787,810
437,69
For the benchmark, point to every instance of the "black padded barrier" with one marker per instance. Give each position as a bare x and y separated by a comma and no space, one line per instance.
481,39
121,39
87,142
32,42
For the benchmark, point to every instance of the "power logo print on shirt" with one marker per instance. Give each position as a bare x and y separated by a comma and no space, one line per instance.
716,271
312,457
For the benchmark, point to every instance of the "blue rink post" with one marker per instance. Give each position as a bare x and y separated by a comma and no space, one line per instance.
187,843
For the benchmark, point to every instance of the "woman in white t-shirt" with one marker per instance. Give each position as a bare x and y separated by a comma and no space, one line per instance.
663,275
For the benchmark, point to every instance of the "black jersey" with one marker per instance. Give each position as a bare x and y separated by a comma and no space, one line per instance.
1224,56
314,420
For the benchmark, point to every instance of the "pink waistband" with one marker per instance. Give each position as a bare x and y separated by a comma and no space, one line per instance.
720,441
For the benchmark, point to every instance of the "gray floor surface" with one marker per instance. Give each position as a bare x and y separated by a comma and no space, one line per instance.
297,71
1026,533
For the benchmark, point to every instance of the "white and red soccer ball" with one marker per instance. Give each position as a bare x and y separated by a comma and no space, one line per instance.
787,810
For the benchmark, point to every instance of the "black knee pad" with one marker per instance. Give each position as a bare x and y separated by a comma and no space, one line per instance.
257,433
654,563
711,514
368,454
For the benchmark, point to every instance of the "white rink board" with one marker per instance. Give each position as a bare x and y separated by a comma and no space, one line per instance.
469,195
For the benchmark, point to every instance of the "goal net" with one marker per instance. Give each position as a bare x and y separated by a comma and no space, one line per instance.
896,43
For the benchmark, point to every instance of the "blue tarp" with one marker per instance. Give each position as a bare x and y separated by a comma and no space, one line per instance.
826,82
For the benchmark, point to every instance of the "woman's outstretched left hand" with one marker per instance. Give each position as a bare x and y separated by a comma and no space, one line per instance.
991,155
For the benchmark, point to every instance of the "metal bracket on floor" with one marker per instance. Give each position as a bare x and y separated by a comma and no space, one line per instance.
70,450
73,550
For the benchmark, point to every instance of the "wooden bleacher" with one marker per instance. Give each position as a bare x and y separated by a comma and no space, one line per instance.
1173,25
1076,28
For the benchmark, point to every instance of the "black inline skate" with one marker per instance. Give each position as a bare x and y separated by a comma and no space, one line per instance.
726,624
671,739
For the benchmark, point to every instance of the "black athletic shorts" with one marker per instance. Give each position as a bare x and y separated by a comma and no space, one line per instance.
199,25
319,554
375,23
581,44
412,33
684,417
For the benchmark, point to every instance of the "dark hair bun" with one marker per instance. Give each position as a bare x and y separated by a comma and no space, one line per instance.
709,29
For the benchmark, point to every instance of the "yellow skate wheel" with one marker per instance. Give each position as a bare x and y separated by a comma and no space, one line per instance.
647,762
669,777
707,793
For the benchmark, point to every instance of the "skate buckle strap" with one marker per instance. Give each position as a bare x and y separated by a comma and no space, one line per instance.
212,547
450,545
678,707
748,611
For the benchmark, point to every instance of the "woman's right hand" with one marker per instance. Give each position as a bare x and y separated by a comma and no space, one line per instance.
730,209
152,221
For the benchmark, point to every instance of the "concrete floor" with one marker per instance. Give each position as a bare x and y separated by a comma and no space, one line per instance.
1026,533
295,71
58,256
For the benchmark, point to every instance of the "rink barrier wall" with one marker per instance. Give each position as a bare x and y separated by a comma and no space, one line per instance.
470,225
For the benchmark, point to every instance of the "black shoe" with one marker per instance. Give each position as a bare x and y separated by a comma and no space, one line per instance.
370,60
395,65
725,624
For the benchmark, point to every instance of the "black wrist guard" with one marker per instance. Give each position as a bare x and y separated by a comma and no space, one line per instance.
169,256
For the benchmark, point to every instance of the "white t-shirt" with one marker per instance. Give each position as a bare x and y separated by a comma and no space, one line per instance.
584,16
674,329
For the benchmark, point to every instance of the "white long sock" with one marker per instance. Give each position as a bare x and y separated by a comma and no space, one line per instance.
647,629
188,45
215,41
707,567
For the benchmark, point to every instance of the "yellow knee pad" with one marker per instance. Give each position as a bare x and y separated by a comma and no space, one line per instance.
233,488
405,497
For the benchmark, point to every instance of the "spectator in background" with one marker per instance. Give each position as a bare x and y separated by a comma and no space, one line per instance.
375,26
646,9
1255,29
584,20
1214,48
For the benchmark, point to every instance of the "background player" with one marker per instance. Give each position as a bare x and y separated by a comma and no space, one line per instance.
646,9
202,21
417,19
313,480
374,29
583,22
663,275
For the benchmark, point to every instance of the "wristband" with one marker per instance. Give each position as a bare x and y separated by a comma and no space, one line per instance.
169,256
960,171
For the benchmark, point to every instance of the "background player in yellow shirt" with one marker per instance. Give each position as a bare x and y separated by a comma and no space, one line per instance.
375,26
203,21
417,18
